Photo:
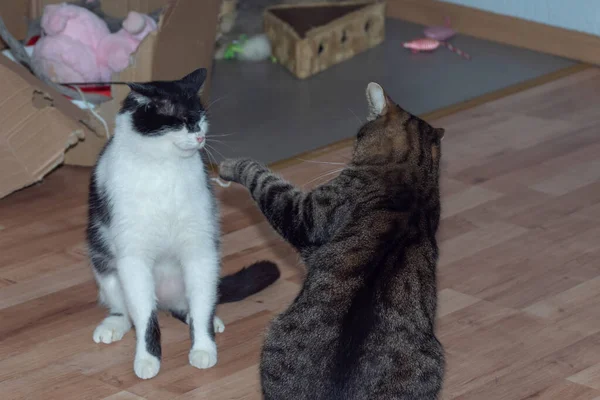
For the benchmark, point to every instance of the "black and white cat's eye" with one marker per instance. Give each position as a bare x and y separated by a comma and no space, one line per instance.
194,128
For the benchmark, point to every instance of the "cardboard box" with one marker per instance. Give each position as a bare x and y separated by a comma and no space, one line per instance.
40,129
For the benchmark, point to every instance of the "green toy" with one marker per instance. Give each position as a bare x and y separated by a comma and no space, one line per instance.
236,47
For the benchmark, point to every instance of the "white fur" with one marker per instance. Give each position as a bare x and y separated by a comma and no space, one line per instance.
376,99
146,367
162,231
112,329
218,325
256,48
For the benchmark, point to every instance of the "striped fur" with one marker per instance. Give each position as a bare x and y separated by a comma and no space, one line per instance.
363,324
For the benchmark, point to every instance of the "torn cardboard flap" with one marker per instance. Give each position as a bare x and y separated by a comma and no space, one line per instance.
35,132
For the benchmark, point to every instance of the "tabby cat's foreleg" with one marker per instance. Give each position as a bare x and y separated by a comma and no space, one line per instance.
288,209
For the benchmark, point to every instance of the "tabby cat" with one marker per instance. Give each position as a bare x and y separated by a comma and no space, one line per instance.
363,325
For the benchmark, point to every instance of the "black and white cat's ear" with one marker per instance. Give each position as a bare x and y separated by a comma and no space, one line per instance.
194,81
142,91
377,100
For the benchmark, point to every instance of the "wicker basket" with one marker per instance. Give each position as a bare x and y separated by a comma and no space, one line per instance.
310,38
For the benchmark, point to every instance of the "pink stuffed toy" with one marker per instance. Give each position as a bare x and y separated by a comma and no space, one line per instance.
114,51
66,51
78,47
75,22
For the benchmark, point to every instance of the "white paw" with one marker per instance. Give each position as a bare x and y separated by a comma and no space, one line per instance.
203,358
112,329
218,325
146,367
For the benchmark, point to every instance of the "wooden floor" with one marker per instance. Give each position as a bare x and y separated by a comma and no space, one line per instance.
519,272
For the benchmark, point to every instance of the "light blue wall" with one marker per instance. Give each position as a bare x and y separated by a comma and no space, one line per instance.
577,15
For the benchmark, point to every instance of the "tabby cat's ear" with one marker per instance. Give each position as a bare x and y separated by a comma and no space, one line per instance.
377,99
440,133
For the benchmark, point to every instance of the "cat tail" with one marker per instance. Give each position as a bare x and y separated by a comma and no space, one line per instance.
247,281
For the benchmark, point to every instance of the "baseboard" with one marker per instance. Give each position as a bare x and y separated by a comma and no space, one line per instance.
500,28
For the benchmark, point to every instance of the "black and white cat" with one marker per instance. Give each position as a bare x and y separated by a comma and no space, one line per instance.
153,229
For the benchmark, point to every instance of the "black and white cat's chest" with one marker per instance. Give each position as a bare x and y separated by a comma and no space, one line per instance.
173,193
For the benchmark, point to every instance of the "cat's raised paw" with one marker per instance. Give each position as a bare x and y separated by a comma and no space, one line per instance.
112,329
203,359
227,169
218,325
146,367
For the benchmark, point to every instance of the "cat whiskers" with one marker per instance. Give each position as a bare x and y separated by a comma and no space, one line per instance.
353,113
213,164
216,179
220,142
212,103
321,162
326,174
217,151
228,134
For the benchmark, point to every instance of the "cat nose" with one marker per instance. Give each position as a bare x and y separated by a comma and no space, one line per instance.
200,139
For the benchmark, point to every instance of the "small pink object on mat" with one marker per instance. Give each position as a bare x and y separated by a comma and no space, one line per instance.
418,45
427,44
441,33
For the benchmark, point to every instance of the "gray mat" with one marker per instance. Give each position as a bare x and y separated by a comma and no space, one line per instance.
270,115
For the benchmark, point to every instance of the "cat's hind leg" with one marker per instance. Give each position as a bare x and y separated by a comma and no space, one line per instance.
117,323
218,325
